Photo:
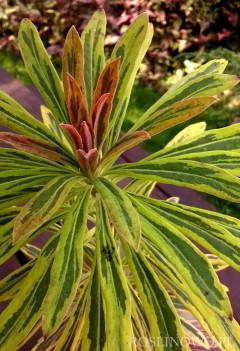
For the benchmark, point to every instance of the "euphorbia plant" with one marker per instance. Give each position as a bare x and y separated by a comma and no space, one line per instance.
118,265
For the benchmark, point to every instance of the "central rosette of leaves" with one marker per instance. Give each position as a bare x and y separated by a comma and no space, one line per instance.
89,120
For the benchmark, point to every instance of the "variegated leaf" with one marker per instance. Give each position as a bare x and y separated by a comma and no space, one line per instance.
121,211
188,132
11,284
163,321
169,116
93,48
35,146
67,265
41,70
22,314
224,332
192,265
126,142
94,329
132,47
73,61
223,139
192,174
7,99
24,123
42,206
209,234
114,287
207,85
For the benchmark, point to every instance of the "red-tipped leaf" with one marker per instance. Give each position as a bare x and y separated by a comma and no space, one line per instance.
76,103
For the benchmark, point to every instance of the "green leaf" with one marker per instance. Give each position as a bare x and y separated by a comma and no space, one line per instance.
207,233
163,320
7,99
192,265
67,265
126,142
174,114
10,285
73,61
13,181
94,329
207,85
114,286
132,48
120,210
41,70
223,139
71,334
22,314
224,332
92,39
24,123
188,132
42,206
192,174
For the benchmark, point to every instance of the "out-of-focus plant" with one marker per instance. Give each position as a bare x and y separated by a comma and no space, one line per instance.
179,25
117,262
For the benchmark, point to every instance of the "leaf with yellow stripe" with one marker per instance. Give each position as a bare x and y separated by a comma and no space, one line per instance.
225,333
192,174
12,283
192,265
23,313
120,211
7,99
114,287
163,320
188,132
132,48
43,206
67,265
92,39
73,61
94,329
223,139
41,70
207,233
200,87
169,116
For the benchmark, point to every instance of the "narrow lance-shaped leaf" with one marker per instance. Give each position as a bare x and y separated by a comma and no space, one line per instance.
76,104
73,61
106,84
208,233
224,333
174,114
42,206
195,175
113,285
223,139
24,123
67,265
10,285
188,132
94,332
192,265
41,69
120,210
132,48
7,99
205,86
126,142
163,320
35,146
93,47
22,314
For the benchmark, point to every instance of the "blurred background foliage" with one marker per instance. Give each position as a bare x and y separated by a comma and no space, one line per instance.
187,33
